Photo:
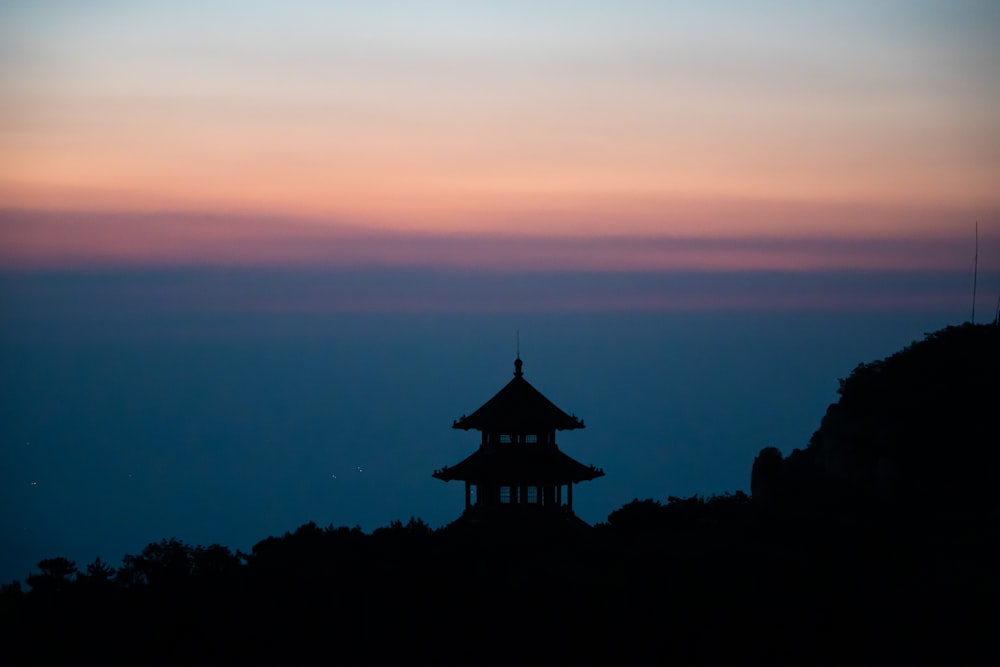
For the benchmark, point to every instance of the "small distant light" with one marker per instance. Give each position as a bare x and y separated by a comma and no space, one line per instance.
333,476
34,483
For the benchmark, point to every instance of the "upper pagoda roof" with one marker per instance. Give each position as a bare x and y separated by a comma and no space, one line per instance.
518,408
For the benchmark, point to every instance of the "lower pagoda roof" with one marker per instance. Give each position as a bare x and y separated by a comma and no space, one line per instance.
519,464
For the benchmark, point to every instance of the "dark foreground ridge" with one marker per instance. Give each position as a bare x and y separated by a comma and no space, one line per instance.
885,561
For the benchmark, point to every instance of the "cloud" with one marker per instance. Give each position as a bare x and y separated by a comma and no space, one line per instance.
66,239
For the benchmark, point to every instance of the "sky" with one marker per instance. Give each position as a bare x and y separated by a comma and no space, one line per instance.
255,257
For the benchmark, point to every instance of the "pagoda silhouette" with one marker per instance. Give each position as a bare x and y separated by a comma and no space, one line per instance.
518,468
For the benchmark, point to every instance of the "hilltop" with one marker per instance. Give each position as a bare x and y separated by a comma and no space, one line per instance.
917,430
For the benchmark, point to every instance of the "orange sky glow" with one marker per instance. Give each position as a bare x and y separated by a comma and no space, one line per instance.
285,128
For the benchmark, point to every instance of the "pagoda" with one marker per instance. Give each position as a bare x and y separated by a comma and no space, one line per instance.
518,465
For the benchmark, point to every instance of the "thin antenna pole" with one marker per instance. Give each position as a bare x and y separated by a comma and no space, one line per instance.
975,274
518,334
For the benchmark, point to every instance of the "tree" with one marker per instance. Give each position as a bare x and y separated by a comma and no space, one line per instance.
636,516
56,576
215,561
159,565
97,577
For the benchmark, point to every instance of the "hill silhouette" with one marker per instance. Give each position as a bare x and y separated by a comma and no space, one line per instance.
866,547
917,429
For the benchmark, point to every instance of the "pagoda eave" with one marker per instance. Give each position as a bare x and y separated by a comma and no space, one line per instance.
525,464
518,427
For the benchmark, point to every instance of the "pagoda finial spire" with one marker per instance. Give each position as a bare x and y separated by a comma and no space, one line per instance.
517,359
